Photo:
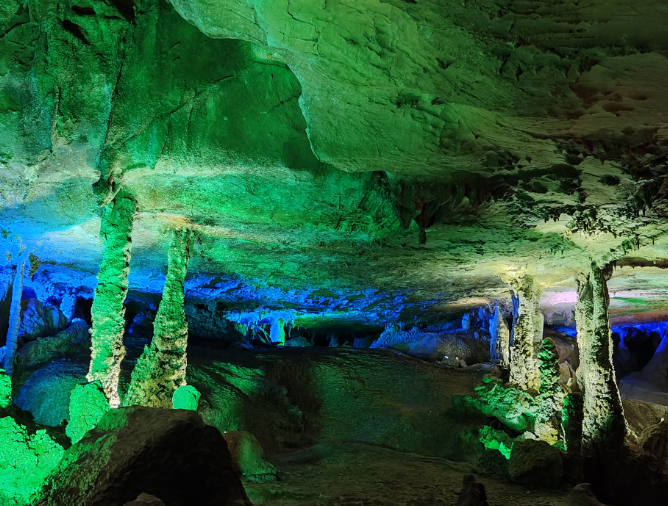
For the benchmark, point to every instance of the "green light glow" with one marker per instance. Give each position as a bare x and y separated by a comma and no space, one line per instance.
25,462
88,405
5,390
186,397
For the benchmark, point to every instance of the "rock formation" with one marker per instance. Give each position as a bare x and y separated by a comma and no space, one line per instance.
14,319
107,349
604,427
161,369
527,333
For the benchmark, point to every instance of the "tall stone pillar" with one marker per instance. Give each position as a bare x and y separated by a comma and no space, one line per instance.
161,369
107,312
603,427
527,333
500,339
14,318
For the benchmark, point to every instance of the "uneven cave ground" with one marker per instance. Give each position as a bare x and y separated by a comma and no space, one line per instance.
338,252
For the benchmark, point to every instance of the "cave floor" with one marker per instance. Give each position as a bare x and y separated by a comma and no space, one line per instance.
358,474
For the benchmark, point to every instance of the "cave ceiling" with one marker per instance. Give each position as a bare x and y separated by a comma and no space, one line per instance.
377,157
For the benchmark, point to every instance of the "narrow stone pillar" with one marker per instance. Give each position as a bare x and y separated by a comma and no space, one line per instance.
527,333
500,339
107,312
604,427
14,318
161,369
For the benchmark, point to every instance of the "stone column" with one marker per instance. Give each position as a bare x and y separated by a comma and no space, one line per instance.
14,318
500,339
527,333
604,426
161,369
107,312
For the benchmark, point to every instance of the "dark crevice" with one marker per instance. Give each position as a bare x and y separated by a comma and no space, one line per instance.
83,11
126,8
75,30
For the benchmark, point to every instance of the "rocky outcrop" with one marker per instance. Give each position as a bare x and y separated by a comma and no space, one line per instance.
107,350
248,456
166,453
161,369
145,500
581,495
71,341
535,464
473,493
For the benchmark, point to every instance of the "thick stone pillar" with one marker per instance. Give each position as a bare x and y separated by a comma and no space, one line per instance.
107,312
527,333
161,369
603,426
14,319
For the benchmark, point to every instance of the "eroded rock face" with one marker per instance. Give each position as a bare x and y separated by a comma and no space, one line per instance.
166,453
535,464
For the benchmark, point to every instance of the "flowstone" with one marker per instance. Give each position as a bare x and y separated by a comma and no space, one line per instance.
161,369
107,312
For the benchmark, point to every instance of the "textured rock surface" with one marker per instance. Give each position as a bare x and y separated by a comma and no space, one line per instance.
107,350
535,464
145,500
74,339
166,453
527,333
161,369
473,493
248,456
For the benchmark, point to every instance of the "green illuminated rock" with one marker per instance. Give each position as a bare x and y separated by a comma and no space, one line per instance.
161,369
5,389
248,456
25,462
548,358
88,404
186,397
107,350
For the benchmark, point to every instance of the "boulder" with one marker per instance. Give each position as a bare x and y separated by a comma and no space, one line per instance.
46,392
166,453
299,342
581,495
74,339
38,320
535,464
473,493
145,500
248,456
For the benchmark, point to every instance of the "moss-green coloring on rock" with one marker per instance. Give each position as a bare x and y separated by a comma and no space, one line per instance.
186,397
25,462
88,404
5,389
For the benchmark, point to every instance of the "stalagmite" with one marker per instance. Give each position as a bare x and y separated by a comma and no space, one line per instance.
161,369
527,333
500,342
107,312
14,318
604,427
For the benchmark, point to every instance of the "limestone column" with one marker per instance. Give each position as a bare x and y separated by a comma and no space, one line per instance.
14,318
161,369
527,333
604,426
107,312
500,339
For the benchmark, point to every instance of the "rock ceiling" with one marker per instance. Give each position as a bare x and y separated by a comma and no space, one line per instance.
371,156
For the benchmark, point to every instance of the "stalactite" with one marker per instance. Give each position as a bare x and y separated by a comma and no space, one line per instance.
14,318
527,333
107,312
161,369
604,426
